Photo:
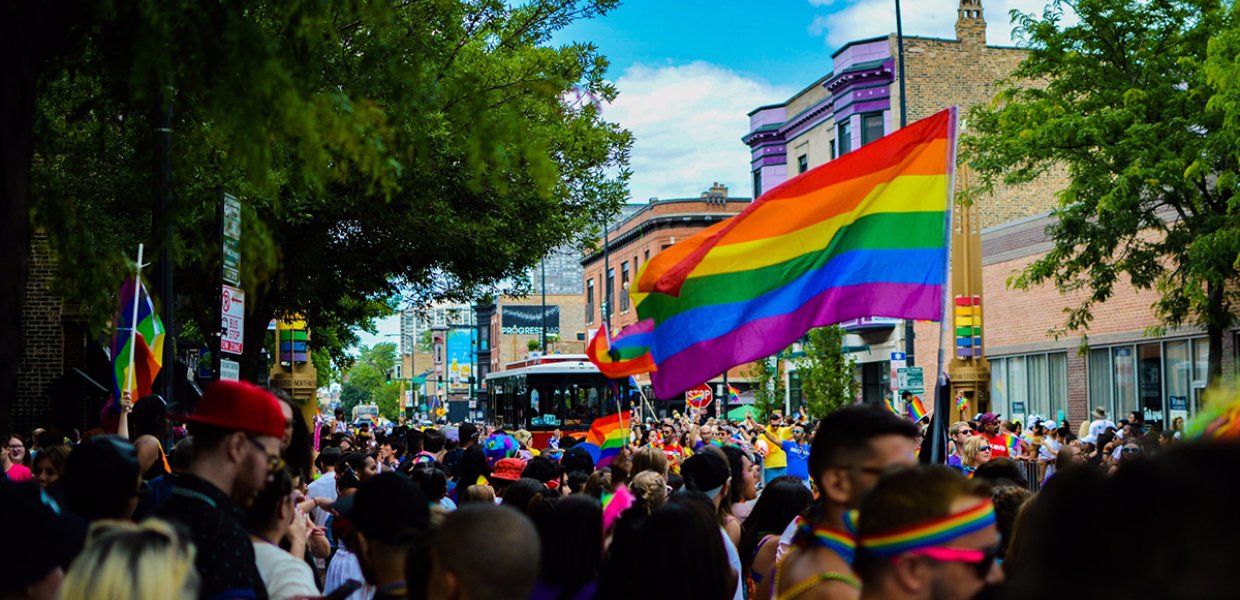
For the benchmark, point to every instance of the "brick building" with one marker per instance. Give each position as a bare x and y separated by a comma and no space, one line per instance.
857,102
515,323
645,232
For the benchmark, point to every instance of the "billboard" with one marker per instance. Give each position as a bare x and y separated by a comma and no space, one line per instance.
459,359
526,319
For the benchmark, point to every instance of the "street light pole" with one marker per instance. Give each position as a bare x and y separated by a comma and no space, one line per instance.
908,323
544,305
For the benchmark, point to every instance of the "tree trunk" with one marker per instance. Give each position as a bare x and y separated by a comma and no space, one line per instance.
1217,320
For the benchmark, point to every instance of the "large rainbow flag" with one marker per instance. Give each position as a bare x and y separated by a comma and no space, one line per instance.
607,436
864,235
628,353
147,347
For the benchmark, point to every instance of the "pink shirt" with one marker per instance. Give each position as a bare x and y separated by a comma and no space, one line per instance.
19,473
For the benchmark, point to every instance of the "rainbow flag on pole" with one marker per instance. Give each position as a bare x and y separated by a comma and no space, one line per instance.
734,395
146,347
916,410
864,235
608,435
628,353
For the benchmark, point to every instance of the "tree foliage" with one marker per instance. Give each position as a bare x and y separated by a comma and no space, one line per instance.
382,151
372,380
767,377
1138,104
826,371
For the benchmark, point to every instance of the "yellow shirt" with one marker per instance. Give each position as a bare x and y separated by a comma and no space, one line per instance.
775,456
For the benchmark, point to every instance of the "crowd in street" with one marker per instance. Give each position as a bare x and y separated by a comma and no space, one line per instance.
253,501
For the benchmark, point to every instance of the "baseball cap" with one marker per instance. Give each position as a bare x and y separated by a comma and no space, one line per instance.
508,469
387,508
988,418
706,472
240,406
49,536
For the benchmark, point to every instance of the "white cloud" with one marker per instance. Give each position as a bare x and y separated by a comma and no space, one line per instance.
860,19
688,121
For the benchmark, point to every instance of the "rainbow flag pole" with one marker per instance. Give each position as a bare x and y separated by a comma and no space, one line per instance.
133,331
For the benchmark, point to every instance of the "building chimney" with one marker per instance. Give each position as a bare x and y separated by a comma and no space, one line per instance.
970,24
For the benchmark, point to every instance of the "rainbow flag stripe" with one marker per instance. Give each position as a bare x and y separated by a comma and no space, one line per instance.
916,410
863,235
609,434
931,533
147,346
626,354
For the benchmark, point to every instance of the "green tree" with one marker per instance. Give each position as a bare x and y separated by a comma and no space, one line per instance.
768,386
1138,105
348,129
826,371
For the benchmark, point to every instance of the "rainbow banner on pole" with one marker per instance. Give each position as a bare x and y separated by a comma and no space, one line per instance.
146,347
628,353
607,436
864,235
916,409
734,395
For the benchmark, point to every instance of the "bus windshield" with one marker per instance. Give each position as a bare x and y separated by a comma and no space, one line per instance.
570,401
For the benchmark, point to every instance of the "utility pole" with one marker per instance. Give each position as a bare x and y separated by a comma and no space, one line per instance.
908,324
609,288
163,219
544,305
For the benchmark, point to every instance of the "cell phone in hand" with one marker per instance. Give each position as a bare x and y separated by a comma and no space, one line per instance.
345,590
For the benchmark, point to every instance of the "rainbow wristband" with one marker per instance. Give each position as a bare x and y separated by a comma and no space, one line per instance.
930,533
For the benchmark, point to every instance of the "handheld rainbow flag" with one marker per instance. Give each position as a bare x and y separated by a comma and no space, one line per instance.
1013,444
138,345
608,435
861,236
916,410
734,395
962,403
891,406
628,353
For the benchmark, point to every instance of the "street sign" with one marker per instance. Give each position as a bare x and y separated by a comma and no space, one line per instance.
230,370
698,397
897,362
911,380
232,320
231,270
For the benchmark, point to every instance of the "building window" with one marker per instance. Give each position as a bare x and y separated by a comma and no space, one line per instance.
590,300
646,256
871,127
843,140
1022,387
1123,381
624,287
1161,380
802,163
610,301
832,145
757,183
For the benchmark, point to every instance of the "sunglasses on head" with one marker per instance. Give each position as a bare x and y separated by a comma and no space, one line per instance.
980,560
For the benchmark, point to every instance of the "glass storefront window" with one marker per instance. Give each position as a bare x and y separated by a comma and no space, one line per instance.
998,387
1150,382
1201,360
1039,385
1018,389
1099,378
1177,374
1057,407
1124,382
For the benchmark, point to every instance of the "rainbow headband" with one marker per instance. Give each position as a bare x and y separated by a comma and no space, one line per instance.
930,533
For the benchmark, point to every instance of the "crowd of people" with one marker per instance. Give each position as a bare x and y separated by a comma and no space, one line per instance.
254,502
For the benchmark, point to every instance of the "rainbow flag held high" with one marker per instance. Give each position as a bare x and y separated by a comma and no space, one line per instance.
626,354
864,235
734,395
146,348
962,403
916,410
891,406
607,436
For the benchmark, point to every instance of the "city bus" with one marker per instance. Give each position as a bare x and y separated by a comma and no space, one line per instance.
540,395
366,412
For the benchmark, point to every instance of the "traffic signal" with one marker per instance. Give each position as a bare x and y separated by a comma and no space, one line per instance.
968,327
387,376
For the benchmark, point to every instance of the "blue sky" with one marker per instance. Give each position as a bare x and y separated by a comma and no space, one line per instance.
689,71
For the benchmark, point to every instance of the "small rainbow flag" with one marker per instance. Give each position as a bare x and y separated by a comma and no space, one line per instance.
609,434
1013,444
628,353
916,410
734,395
891,406
815,250
146,347
962,403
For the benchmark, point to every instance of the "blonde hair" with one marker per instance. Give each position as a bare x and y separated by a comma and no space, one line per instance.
649,458
651,489
150,561
477,493
972,446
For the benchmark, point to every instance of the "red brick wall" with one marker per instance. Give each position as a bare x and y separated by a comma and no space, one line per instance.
43,358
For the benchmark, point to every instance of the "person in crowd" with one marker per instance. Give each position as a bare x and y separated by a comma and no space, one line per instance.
506,472
776,462
123,560
977,451
669,444
390,514
991,433
649,490
525,439
325,485
927,533
795,450
44,540
707,473
1099,424
548,472
102,479
434,485
50,465
1008,500
363,465
852,448
237,430
781,501
1002,471
14,460
506,570
684,527
959,433
391,452
272,518
649,458
743,489
1130,451
433,445
522,492
476,494
571,538
467,437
